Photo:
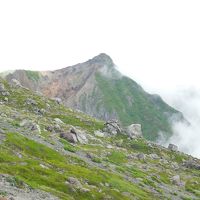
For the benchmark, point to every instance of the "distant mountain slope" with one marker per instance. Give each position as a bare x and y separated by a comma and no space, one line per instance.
98,89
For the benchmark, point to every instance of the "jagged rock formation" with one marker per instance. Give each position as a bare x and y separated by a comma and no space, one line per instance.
98,89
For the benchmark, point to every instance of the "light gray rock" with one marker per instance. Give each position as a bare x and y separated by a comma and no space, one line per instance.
134,130
141,156
58,121
5,93
57,100
30,101
35,127
24,123
192,164
15,83
112,127
2,87
99,133
154,156
74,181
70,137
176,180
80,135
173,147
6,99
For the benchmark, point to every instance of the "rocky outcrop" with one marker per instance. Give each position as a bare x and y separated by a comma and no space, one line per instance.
134,130
74,136
192,164
173,147
112,127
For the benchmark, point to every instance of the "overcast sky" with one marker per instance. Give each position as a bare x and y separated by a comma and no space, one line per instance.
155,42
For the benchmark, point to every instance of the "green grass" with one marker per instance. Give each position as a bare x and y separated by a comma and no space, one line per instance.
68,146
117,157
59,167
33,75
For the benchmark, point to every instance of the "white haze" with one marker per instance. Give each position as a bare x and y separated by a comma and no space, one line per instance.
186,136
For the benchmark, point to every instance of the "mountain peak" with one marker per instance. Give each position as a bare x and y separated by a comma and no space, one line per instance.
102,58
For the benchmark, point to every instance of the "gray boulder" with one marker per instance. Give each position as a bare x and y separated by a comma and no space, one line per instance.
74,136
15,83
2,88
70,137
30,101
80,135
134,130
173,147
74,182
112,127
141,156
57,100
99,133
5,93
192,164
176,180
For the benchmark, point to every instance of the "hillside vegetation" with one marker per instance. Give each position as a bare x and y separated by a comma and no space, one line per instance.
37,163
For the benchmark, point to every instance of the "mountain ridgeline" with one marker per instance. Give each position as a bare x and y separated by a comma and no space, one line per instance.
97,88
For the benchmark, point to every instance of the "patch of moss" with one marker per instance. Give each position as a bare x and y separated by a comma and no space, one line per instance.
33,75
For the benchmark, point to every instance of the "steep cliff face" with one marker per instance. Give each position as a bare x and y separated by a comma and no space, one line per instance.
97,88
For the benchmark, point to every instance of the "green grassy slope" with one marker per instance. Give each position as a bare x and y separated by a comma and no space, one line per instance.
112,171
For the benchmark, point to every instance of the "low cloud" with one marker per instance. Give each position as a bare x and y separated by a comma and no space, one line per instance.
186,136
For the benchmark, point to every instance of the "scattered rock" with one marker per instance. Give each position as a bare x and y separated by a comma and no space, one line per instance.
154,156
24,122
30,101
75,136
141,156
173,147
80,135
15,83
134,130
177,180
112,127
6,99
6,93
192,164
59,121
30,125
2,87
2,131
99,133
43,166
109,146
90,155
70,137
53,128
74,181
84,190
57,100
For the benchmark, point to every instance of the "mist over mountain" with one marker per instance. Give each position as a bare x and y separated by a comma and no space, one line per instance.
186,136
